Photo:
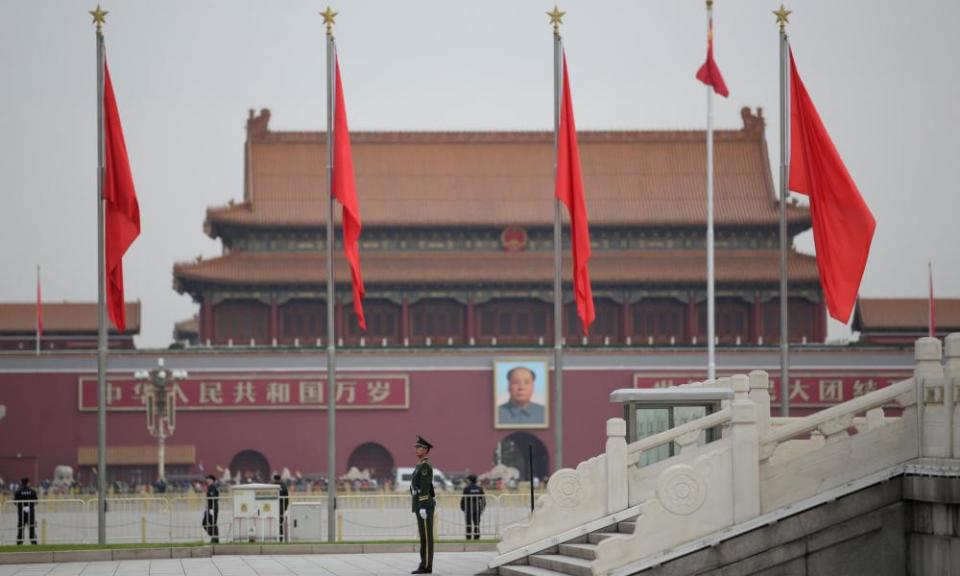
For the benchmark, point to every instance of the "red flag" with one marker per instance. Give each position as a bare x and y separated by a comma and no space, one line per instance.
842,223
345,191
39,308
569,190
709,73
122,210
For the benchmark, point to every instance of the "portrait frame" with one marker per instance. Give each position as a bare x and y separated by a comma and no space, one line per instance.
540,368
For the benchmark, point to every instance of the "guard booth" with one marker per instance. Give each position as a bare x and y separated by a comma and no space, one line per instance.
649,411
256,513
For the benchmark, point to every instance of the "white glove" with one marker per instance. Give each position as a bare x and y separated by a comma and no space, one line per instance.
423,513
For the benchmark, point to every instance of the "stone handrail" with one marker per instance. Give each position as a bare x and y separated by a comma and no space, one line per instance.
636,449
760,464
847,410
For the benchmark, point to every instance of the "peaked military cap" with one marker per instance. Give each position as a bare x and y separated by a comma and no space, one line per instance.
423,443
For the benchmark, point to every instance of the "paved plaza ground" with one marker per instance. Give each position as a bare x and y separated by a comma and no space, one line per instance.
446,563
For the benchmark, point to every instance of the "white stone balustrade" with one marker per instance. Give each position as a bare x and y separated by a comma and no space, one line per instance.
758,464
951,370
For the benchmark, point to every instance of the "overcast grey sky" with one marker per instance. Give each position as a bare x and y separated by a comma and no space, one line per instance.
883,74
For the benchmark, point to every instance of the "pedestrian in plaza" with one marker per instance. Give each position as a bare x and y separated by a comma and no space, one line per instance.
284,501
26,499
212,512
472,504
424,502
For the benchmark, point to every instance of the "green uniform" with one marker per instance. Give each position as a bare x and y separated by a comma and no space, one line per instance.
424,498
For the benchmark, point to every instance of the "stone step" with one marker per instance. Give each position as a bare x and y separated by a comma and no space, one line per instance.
627,526
564,564
597,537
585,551
520,570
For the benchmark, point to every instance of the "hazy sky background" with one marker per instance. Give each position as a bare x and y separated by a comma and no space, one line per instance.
883,74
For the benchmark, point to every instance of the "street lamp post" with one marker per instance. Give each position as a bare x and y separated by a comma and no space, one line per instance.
161,400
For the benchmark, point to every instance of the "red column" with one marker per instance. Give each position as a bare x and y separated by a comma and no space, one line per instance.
338,307
274,319
404,318
756,324
206,321
471,325
692,324
625,324
820,322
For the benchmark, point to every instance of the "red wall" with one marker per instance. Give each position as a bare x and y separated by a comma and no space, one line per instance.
453,410
451,407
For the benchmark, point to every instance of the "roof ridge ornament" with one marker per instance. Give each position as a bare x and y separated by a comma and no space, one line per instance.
258,125
753,122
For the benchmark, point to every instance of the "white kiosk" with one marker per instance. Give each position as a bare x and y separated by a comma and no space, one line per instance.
256,513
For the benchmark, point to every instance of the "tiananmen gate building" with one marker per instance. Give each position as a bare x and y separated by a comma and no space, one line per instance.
457,257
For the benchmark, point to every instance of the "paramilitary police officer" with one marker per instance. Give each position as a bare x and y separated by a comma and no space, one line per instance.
472,504
284,501
212,513
26,499
424,502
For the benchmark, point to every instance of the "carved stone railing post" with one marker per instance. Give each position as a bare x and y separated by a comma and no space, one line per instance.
951,371
724,404
927,357
617,495
760,394
745,452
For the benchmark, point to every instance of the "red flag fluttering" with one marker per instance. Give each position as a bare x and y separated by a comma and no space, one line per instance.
569,190
709,73
122,210
842,223
345,191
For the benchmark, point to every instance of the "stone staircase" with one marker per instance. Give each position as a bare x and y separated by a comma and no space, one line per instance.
573,557
737,471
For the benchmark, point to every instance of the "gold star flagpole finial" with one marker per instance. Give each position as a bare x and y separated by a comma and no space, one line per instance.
556,18
328,18
99,17
783,17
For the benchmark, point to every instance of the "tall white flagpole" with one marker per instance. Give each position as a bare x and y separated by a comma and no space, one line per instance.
782,15
931,305
556,19
711,280
328,19
99,17
39,308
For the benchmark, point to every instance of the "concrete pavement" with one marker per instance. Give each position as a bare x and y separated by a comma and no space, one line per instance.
445,563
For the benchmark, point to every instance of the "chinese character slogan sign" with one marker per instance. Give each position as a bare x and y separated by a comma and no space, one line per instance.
273,391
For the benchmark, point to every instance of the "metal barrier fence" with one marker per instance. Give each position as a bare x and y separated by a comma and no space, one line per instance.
180,519
55,521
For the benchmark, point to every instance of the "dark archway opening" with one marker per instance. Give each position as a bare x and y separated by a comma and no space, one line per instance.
252,466
372,457
514,451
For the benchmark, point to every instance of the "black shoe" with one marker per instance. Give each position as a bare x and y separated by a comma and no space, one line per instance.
422,571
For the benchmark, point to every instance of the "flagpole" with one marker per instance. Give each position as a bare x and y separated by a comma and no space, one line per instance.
39,309
782,15
555,18
711,295
932,321
99,17
328,17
